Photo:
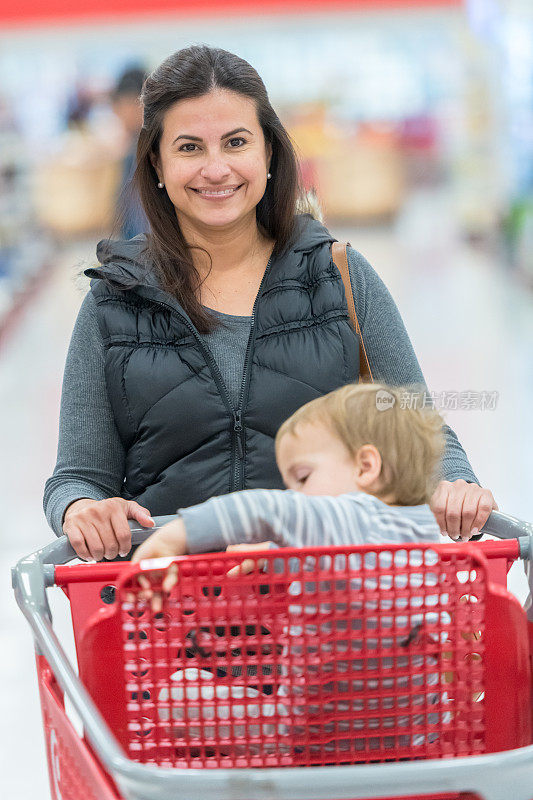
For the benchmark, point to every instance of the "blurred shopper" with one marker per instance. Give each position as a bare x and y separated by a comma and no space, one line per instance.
79,105
197,341
126,104
74,188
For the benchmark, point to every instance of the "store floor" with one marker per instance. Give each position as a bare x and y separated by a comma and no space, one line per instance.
471,325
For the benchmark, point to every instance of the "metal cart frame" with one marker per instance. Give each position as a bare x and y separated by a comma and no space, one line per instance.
489,776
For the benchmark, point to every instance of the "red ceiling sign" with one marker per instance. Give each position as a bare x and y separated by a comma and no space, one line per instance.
35,12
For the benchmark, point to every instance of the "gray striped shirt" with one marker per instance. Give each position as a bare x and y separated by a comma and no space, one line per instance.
292,519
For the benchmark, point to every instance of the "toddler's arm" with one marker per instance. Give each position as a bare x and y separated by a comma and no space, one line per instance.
250,516
288,518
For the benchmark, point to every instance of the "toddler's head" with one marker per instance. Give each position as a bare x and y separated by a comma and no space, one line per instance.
363,437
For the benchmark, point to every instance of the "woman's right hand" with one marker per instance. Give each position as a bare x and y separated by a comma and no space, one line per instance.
99,528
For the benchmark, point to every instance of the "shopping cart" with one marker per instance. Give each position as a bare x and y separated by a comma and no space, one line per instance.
329,674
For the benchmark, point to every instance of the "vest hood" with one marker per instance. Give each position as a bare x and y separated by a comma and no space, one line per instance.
310,233
124,262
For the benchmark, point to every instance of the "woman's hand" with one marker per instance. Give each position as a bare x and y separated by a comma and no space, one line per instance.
98,528
461,508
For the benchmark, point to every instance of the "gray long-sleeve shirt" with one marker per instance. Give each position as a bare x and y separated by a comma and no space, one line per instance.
292,519
91,456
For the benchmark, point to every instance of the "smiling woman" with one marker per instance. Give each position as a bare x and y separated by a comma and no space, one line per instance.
200,337
215,180
215,167
209,142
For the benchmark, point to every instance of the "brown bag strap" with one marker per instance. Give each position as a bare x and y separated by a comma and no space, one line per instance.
340,258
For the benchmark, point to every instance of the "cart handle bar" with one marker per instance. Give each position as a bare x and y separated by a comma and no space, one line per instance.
109,571
516,532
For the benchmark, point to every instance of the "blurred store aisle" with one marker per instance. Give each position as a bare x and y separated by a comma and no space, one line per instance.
471,326
31,366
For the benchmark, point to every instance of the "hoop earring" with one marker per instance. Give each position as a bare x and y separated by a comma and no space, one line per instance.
160,185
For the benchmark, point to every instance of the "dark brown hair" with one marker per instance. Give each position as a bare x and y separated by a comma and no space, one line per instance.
193,72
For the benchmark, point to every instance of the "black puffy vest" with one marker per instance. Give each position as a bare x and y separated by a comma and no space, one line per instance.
184,441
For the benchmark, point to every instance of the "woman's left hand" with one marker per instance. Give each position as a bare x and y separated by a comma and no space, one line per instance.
461,509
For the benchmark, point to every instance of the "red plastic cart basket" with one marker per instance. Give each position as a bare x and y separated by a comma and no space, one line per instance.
361,672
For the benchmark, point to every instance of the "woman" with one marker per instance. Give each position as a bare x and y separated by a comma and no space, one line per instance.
198,340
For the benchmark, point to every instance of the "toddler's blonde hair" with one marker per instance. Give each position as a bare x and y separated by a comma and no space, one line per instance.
409,439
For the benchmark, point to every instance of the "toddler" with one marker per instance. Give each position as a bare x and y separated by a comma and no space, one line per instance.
358,467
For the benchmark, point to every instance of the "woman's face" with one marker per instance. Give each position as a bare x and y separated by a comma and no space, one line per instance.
213,160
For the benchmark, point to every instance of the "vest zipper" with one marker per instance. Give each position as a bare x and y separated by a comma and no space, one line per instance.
243,397
238,448
237,427
221,386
